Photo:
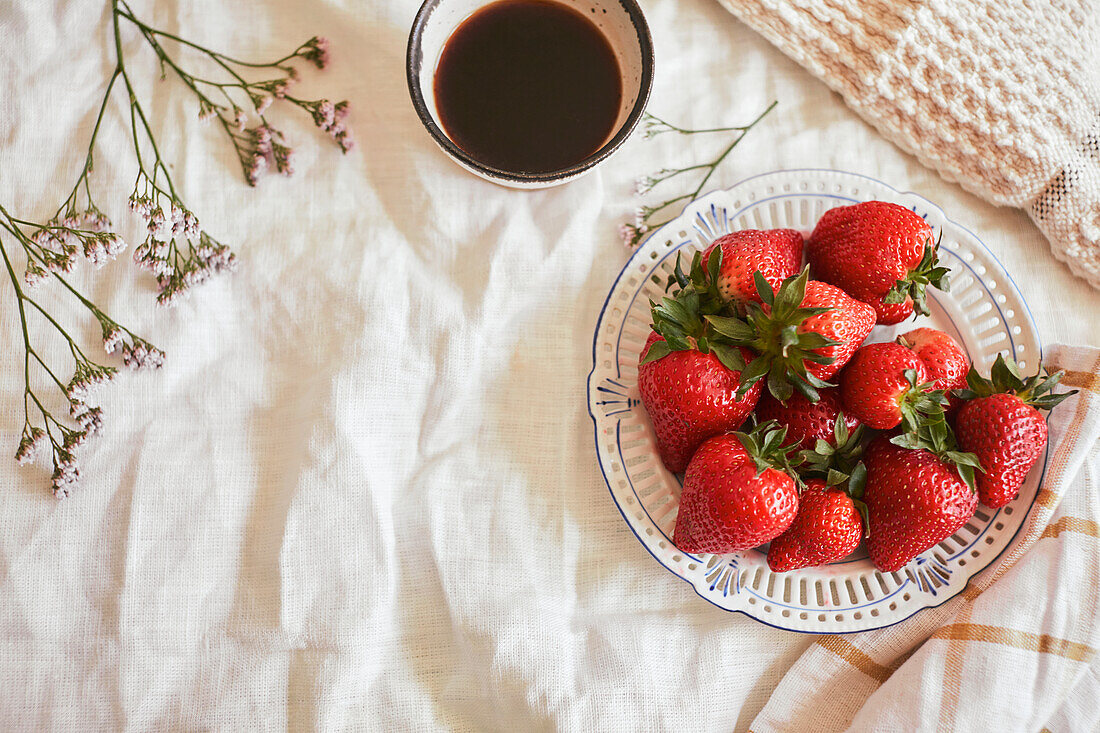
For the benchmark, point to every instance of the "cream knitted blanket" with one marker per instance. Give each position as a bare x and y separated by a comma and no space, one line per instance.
1002,96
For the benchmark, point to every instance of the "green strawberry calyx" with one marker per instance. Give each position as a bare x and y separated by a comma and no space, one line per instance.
920,402
934,435
1004,378
682,318
838,464
772,331
765,445
916,281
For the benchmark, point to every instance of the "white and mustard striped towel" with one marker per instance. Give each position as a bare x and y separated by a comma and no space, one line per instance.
1016,650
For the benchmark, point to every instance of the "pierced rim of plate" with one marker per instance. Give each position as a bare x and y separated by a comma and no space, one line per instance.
984,310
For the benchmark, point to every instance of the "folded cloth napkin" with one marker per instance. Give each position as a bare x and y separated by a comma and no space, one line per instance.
1016,650
1002,96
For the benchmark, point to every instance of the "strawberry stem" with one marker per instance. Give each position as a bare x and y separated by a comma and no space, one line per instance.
772,331
1004,378
682,318
764,444
934,435
915,283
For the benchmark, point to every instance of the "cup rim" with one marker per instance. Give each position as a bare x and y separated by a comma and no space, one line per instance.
414,58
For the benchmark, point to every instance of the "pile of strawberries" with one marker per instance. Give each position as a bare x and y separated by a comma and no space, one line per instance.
790,430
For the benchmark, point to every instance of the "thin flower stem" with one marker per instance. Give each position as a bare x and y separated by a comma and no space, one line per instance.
730,147
135,106
185,77
49,371
665,204
643,224
91,143
58,326
27,350
153,141
128,13
686,131
189,80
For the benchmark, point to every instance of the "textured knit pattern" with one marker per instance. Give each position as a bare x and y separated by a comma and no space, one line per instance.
1002,96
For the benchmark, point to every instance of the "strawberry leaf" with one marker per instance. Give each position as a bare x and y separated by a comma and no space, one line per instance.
907,440
730,357
677,311
763,289
807,391
864,516
917,280
677,277
657,350
1004,377
780,387
764,444
857,481
896,294
733,328
714,264
966,473
756,369
791,294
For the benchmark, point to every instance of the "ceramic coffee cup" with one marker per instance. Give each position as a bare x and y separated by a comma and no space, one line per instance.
621,22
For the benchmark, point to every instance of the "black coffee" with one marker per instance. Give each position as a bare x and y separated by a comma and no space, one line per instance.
528,86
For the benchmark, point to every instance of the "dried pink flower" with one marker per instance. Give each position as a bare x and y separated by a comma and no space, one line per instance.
315,50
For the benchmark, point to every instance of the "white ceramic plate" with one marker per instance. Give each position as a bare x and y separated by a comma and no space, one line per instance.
984,311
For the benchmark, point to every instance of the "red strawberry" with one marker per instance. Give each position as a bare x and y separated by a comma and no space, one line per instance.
880,253
690,396
915,500
803,334
1002,425
886,384
849,322
946,361
774,253
689,378
738,493
827,528
807,422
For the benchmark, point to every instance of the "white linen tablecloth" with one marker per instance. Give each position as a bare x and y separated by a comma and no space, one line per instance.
362,493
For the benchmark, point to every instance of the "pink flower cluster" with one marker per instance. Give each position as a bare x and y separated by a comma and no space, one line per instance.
315,50
330,118
32,445
88,378
210,258
177,270
137,353
60,240
266,151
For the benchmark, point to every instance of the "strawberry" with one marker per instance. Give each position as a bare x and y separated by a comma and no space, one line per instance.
831,514
806,422
849,322
915,500
802,334
1000,423
946,361
738,493
774,253
886,384
880,253
688,378
827,528
690,396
